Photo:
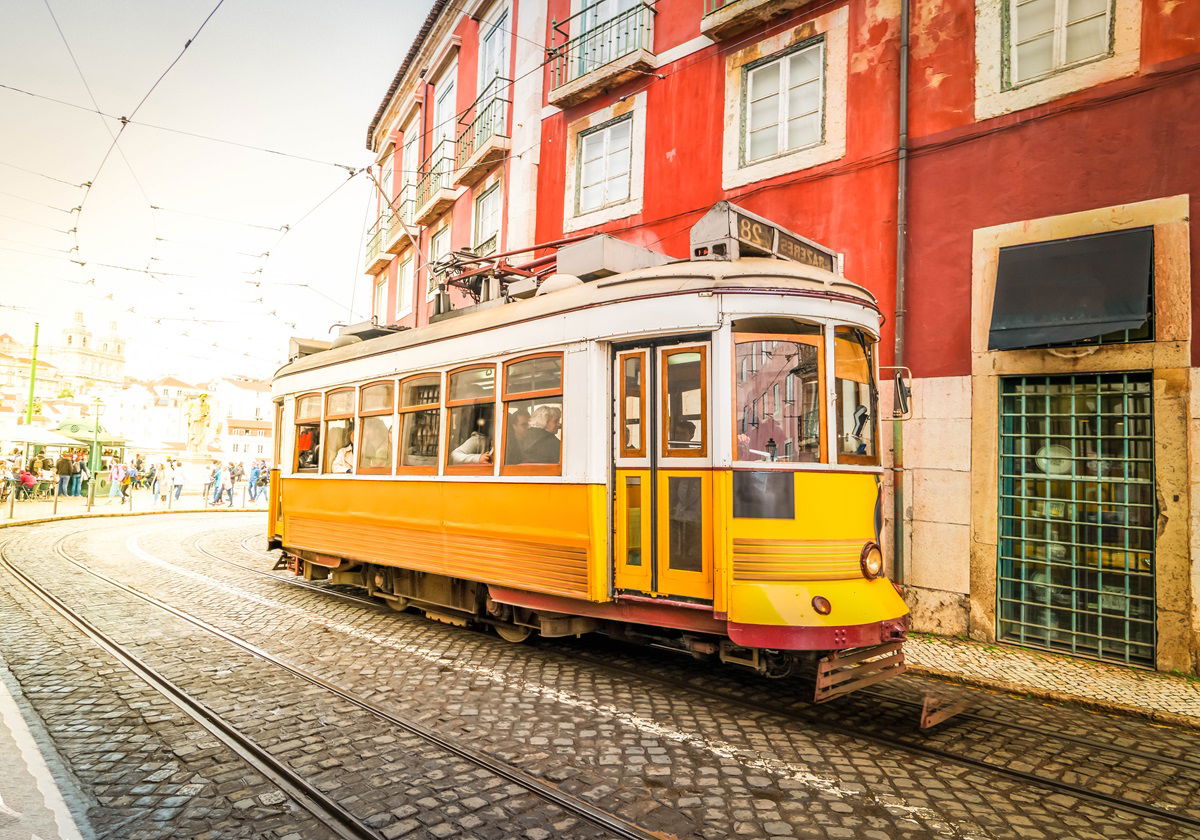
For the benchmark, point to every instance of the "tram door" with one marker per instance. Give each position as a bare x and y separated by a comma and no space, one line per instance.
662,544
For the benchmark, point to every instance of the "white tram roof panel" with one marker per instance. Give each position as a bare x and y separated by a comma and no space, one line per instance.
682,277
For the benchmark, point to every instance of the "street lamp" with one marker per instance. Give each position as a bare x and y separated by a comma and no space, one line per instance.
94,460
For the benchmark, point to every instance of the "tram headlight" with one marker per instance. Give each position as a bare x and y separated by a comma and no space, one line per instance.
871,561
821,605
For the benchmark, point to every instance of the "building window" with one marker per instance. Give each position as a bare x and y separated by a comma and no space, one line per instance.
1047,36
235,448
308,433
260,449
404,288
533,411
605,157
386,170
487,220
471,420
381,298
339,432
439,246
493,55
420,424
376,413
444,111
783,107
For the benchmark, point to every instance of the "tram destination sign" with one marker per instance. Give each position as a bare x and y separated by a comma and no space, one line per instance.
729,232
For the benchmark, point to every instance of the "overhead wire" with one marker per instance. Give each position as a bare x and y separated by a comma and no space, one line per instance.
43,175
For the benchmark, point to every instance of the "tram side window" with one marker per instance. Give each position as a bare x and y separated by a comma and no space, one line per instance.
339,432
308,432
856,397
471,419
420,408
633,405
779,424
533,411
376,413
684,397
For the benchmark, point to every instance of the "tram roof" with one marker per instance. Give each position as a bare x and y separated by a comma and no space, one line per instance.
684,277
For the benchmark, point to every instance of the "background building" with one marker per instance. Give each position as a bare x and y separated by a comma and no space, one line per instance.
1049,472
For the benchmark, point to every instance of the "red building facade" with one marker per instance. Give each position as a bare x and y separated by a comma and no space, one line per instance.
1050,486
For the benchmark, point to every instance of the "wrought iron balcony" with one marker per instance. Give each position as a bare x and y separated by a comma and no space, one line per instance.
484,139
605,54
377,258
404,209
726,18
435,190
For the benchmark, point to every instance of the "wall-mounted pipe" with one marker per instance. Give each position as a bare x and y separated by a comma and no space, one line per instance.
898,565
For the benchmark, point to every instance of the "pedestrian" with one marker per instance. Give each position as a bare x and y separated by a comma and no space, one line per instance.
252,487
62,468
130,481
73,488
116,475
177,479
85,477
229,481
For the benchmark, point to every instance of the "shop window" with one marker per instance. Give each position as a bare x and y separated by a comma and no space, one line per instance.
856,396
685,398
533,413
471,420
339,432
376,419
782,112
308,433
780,424
420,423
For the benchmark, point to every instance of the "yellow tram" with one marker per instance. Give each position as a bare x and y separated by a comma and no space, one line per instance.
684,451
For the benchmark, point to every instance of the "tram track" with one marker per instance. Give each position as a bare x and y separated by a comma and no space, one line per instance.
873,737
325,809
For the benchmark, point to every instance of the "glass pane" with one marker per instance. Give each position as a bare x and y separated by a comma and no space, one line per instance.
855,393
533,431
806,66
618,136
763,494
593,172
423,391
340,402
787,429
631,409
804,99
534,375
633,520
308,408
686,523
617,189
804,131
376,447
476,383
472,434
1035,58
377,397
1087,39
308,442
593,147
685,401
764,81
419,438
764,143
1079,9
591,197
339,446
1033,18
764,113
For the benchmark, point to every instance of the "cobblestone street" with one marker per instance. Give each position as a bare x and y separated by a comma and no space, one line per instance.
410,728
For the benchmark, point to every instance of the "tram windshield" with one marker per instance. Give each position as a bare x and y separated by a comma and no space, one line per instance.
779,404
855,393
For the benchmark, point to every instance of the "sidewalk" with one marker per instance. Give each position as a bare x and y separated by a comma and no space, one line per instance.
1163,697
142,502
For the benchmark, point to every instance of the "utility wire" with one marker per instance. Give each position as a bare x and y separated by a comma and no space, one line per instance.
43,175
39,203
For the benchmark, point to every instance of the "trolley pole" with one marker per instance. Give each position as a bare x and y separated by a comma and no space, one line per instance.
32,377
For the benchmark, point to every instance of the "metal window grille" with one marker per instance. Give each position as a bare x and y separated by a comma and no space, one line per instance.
1077,515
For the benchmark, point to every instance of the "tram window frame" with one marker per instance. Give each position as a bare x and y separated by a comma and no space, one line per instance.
643,359
509,396
869,350
299,420
665,418
758,412
402,412
479,468
329,395
362,426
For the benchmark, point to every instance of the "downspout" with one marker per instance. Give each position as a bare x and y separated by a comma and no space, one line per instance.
898,352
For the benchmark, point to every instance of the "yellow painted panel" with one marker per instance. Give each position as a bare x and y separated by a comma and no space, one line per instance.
539,537
694,523
632,523
859,601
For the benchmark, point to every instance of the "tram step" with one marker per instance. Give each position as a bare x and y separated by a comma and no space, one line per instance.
840,673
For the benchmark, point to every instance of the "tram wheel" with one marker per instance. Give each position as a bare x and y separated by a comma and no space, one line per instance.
397,604
513,633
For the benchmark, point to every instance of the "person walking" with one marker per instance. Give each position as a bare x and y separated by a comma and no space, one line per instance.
116,475
255,473
177,479
62,468
76,471
85,476
229,482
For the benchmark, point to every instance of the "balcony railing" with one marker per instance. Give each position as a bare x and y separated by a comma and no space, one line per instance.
435,172
405,204
375,242
602,44
487,117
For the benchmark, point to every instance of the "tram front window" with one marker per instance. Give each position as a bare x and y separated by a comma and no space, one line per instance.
779,397
854,389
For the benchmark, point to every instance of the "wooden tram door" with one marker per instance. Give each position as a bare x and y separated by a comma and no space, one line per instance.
662,544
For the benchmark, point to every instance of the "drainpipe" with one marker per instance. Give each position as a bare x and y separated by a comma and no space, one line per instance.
898,352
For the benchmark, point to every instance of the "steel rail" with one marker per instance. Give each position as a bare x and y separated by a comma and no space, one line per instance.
880,740
567,802
325,810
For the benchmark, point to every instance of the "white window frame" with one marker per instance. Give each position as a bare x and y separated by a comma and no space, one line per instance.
387,171
1058,28
574,219
380,299
832,28
434,238
603,134
993,97
410,155
481,236
493,39
404,287
445,99
783,60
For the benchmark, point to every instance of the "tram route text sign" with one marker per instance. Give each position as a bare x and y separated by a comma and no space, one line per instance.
770,239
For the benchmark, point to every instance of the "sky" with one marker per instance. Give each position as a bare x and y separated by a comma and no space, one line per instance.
303,77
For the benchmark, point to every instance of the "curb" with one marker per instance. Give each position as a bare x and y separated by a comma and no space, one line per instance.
1092,703
65,517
